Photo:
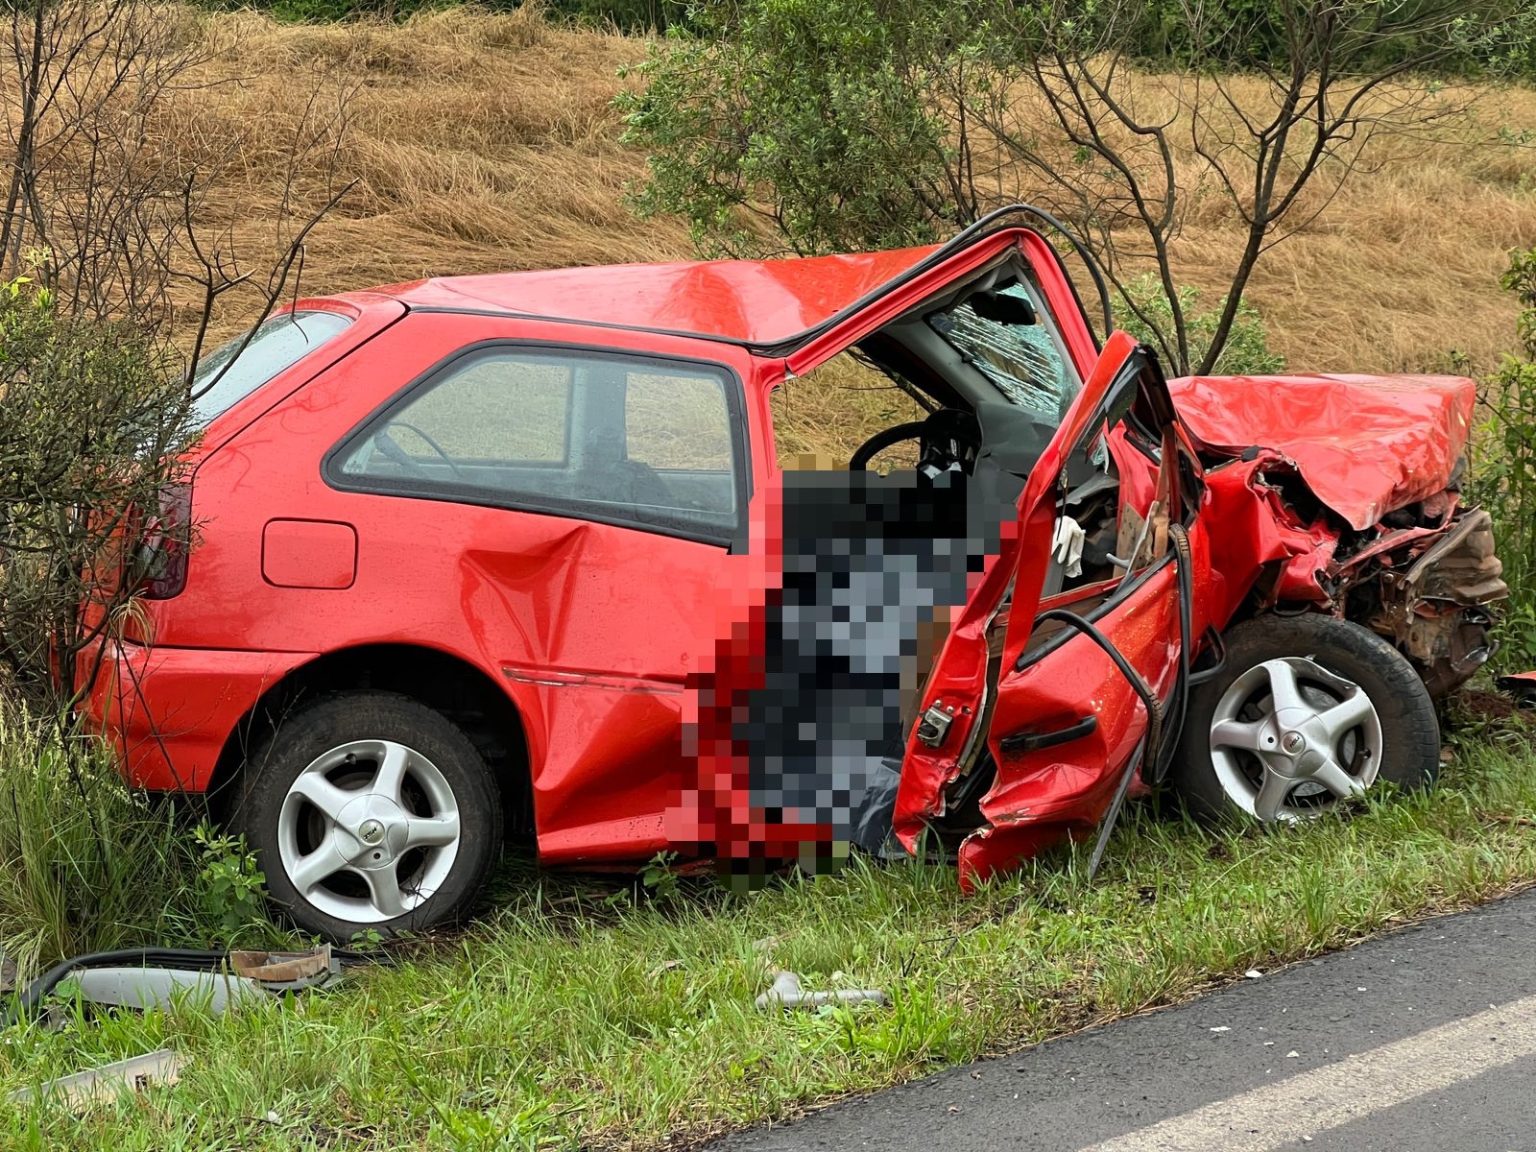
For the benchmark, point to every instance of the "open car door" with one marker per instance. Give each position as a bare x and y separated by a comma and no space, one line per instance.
1061,685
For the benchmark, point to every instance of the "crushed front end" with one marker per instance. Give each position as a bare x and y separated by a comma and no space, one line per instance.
1359,479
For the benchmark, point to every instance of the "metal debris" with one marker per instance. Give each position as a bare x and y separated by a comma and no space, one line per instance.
164,988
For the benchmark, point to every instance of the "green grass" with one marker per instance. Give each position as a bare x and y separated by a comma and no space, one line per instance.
84,863
588,1015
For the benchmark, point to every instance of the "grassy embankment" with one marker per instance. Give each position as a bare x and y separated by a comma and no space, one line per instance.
589,1014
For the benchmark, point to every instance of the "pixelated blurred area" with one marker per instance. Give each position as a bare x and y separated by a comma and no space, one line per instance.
802,722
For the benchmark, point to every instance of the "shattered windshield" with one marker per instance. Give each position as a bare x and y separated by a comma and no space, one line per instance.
1026,361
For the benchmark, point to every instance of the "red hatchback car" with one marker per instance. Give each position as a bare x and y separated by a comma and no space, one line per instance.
517,549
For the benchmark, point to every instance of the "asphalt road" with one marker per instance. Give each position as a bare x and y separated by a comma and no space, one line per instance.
1422,1040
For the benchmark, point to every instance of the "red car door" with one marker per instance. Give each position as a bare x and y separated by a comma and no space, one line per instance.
1084,682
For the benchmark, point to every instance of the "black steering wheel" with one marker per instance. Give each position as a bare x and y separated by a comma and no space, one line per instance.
947,439
386,445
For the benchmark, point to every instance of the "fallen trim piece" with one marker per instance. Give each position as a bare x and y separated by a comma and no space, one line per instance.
80,1088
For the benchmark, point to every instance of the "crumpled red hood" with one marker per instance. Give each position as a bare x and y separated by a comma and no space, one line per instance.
1365,445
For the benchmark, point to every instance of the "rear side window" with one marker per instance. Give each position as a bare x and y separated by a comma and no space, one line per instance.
247,362
657,444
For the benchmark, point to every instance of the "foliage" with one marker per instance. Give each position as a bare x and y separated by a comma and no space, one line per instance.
230,891
659,876
1253,34
816,118
1246,352
109,280
92,417
1160,32
1506,477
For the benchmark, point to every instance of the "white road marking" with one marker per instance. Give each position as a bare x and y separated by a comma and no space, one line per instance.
1344,1090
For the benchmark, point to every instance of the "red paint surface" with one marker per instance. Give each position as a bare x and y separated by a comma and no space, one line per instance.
1364,444
755,302
609,644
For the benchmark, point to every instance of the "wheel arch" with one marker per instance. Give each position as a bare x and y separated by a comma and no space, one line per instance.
443,681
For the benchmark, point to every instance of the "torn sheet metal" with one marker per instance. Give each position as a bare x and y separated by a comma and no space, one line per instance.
164,988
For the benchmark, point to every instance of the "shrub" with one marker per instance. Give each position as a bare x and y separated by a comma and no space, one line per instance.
92,419
818,120
1246,351
1506,475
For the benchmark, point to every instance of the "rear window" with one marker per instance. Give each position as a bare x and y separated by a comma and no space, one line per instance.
234,372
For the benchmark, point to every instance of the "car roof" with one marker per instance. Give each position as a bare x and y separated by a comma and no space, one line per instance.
751,302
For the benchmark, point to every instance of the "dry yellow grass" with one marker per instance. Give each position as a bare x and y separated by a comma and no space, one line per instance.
483,142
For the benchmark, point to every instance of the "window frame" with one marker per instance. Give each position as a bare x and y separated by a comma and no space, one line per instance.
732,538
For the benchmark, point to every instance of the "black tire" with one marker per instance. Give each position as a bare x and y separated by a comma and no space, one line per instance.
1410,730
331,722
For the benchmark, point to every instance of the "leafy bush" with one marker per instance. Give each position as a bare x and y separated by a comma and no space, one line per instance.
1246,351
1505,479
1497,40
815,118
92,418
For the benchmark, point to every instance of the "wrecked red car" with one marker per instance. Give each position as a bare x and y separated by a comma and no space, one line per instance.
517,550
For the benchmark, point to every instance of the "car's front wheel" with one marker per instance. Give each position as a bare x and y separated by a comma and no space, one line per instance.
369,811
1307,711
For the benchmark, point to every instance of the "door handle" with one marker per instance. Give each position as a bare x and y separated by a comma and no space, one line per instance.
1034,741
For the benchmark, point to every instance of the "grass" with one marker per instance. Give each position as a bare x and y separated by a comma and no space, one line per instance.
84,863
593,1015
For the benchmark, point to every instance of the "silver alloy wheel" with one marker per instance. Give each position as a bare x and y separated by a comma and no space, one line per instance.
345,829
1288,733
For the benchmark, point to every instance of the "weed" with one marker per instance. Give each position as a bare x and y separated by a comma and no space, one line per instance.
230,887
659,877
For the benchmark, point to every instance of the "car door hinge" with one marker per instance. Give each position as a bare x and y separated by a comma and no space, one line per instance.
934,724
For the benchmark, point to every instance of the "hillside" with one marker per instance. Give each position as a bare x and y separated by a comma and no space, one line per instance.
483,142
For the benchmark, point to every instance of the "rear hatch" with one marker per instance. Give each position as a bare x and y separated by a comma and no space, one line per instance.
234,386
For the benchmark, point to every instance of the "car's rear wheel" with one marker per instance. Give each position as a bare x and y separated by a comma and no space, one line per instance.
1307,711
370,812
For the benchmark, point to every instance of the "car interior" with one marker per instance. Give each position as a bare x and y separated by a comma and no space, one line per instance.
993,379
